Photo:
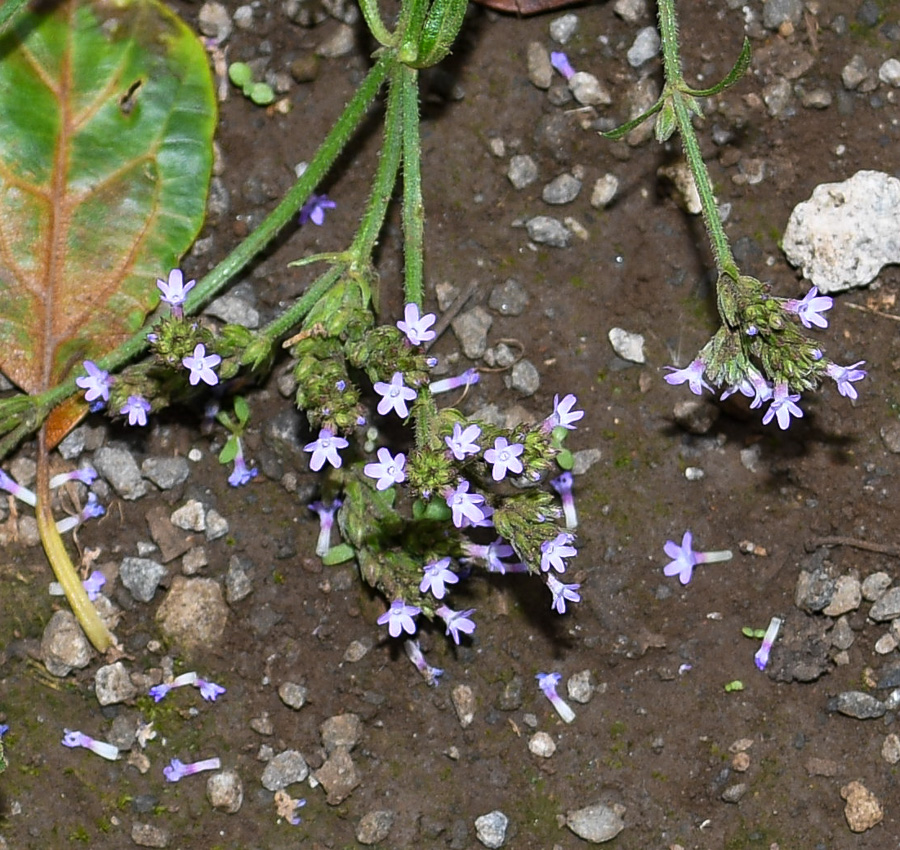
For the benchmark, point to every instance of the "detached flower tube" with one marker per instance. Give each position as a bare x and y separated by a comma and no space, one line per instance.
762,654
177,770
101,748
547,682
685,559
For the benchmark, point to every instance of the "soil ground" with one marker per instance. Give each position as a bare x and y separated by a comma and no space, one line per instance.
656,736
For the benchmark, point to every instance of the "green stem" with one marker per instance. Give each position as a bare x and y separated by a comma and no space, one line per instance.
413,208
8,12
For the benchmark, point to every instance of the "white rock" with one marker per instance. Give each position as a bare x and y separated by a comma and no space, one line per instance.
541,744
604,191
846,232
629,346
889,72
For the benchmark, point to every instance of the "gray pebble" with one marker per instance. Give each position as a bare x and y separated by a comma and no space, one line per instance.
357,650
733,793
166,472
563,28
597,823
120,469
509,298
490,829
645,46
541,745
585,459
218,205
194,560
522,171
214,21
777,97
854,73
112,684
889,72
814,590
148,835
293,695
263,725
842,636
874,586
696,415
778,12
629,346
191,516
604,191
285,769
524,378
341,43
73,444
501,355
548,231
540,71
193,614
338,776
28,531
234,310
890,436
123,731
342,730
463,698
561,190
588,90
471,330
243,17
817,98
374,827
225,791
847,596
890,749
642,95
238,585
857,704
216,525
64,646
580,687
142,577
887,607
510,698
631,11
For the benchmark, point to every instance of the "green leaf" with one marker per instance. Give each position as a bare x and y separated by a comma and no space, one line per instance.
623,130
229,450
339,554
565,460
260,93
105,157
241,409
738,70
240,74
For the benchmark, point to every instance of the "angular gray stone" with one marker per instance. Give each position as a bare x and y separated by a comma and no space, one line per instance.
142,577
522,171
524,378
374,827
597,823
588,90
216,525
191,516
120,469
561,190
64,646
490,829
342,730
874,586
847,596
293,695
580,686
778,12
193,614
225,791
548,231
166,472
285,769
645,46
338,776
563,27
629,346
234,310
112,684
604,191
238,585
471,330
887,607
148,835
509,298
814,590
857,704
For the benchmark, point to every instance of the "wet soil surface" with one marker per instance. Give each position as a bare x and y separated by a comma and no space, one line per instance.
693,764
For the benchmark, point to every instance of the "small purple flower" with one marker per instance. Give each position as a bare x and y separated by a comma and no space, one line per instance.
563,485
761,658
465,505
461,442
210,691
325,449
504,457
96,384
326,522
136,409
201,366
394,396
389,470
553,552
241,474
492,554
399,618
563,416
86,475
4,728
437,575
685,559
844,377
783,407
158,692
93,583
101,748
429,673
175,290
416,327
754,386
456,622
23,494
560,62
809,308
547,682
314,209
692,375
562,593
177,770
91,510
467,379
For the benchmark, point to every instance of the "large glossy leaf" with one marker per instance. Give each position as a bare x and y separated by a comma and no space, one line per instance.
106,119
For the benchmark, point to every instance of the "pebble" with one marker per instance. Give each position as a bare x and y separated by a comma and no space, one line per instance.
341,730
225,791
585,459
193,614
889,677
561,190
853,74
374,826
887,607
597,823
285,769
341,43
509,298
696,416
778,12
338,776
522,171
874,586
243,17
238,585
214,21
540,71
541,744
629,346
120,469
293,695
563,28
464,702
588,90
112,684
234,310
686,194
842,636
733,793
890,749
645,46
64,646
777,97
604,191
166,472
580,687
642,95
857,704
142,577
357,650
471,330
863,809
847,596
123,731
814,590
885,644
194,560
524,378
490,829
631,11
501,356
191,516
889,73
548,231
148,835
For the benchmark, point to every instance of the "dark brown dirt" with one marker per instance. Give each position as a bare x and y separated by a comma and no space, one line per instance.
653,739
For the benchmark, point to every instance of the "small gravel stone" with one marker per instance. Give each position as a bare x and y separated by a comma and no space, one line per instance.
142,577
341,730
225,791
341,43
645,47
563,28
524,378
193,614
857,704
814,590
293,695
885,644
887,607
64,646
238,585
842,636
854,73
597,823
234,310
194,560
191,516
733,793
510,698
285,769
561,190
509,298
540,71
696,416
464,702
682,180
73,444
541,744
490,829
338,776
874,586
374,827
120,469
863,809
357,650
889,73
500,356
214,21
580,687
243,17
778,12
522,171
605,189
166,472
471,330
588,90
263,725
148,835
631,11
629,346
890,749
777,97
216,525
548,231
112,684
847,596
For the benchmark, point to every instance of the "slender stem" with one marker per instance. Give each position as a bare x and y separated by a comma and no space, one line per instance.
413,208
8,12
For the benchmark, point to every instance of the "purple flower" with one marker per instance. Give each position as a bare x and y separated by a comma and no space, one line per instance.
314,209
761,658
491,554
399,618
456,622
753,385
563,486
809,308
547,682
394,396
414,653
845,375
437,575
101,748
562,593
685,559
175,290
93,583
158,692
416,327
201,365
210,691
465,505
692,374
466,379
325,448
783,407
563,416
177,770
388,471
461,443
17,490
86,475
4,728
326,521
136,409
560,61
504,457
96,384
241,474
553,552
91,510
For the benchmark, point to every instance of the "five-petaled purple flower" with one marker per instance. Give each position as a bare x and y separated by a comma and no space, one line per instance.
561,63
783,406
394,396
562,593
95,384
563,416
461,442
844,377
504,457
809,308
389,470
201,365
175,290
437,575
456,621
241,474
692,374
685,559
465,505
553,552
399,618
136,409
314,209
753,385
416,327
325,448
